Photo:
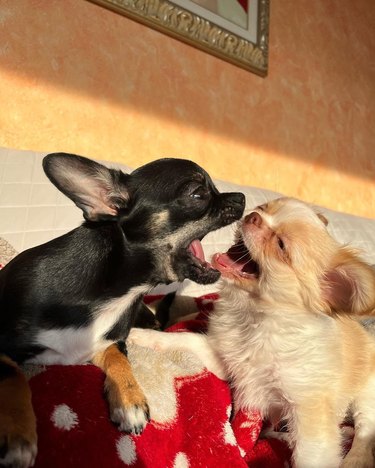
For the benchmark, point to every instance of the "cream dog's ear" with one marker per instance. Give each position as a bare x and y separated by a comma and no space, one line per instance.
349,284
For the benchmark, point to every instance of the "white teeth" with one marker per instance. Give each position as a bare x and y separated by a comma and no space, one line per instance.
247,275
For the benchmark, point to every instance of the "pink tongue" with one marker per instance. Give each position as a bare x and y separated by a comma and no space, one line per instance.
196,249
223,260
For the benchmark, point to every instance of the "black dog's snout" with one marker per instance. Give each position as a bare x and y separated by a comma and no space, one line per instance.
233,205
237,199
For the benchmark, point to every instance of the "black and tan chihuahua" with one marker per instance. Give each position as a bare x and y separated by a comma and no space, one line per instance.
75,298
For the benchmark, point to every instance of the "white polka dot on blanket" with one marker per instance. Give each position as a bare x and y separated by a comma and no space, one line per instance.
126,449
253,432
229,436
64,417
181,461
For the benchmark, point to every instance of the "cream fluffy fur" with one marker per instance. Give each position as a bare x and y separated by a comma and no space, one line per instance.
287,336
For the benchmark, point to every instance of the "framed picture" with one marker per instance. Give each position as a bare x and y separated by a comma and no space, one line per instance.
233,30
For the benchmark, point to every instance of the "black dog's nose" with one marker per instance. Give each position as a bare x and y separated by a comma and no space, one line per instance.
233,205
236,198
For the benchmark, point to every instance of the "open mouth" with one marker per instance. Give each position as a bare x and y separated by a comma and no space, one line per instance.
237,261
196,250
202,271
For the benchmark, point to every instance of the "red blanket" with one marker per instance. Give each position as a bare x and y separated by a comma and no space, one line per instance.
191,410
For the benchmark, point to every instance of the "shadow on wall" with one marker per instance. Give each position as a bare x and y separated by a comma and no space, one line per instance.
317,104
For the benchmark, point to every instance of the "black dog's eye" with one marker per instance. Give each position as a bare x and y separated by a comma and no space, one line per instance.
199,193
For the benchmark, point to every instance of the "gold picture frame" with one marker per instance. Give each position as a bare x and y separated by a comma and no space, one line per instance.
186,20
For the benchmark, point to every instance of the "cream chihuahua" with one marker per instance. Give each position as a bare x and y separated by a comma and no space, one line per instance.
287,333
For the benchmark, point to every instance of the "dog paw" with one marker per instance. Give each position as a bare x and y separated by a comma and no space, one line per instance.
128,406
17,451
146,338
132,419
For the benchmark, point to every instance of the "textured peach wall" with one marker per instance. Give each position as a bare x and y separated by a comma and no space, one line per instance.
76,77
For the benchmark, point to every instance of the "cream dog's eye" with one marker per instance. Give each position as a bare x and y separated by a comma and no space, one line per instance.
280,243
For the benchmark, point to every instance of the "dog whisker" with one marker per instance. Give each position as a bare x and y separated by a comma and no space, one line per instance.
240,258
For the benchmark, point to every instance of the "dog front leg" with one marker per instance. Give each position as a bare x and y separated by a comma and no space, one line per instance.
362,452
18,437
316,433
127,403
195,343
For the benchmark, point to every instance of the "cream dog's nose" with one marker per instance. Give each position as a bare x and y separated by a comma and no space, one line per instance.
254,218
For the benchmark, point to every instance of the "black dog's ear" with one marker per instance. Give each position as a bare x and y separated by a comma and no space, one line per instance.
99,192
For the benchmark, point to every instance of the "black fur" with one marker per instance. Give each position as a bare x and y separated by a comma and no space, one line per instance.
163,309
137,231
121,345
